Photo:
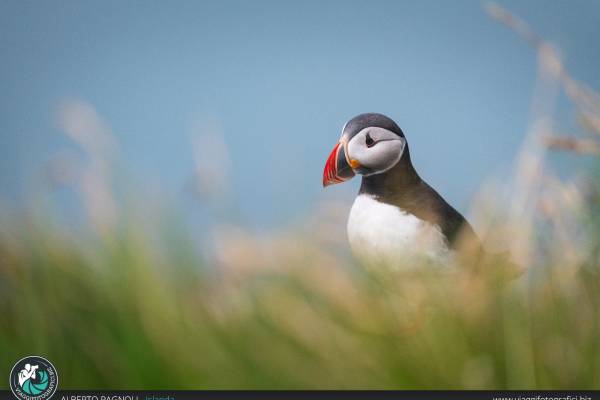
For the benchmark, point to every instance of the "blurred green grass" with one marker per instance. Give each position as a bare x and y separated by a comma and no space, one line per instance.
114,314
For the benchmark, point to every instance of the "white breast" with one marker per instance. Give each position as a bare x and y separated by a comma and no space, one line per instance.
380,233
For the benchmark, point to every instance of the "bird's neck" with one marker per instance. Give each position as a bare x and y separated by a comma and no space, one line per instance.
400,181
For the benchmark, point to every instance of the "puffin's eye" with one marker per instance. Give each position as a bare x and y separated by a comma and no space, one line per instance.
369,141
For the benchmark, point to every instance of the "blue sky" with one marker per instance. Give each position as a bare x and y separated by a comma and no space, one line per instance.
279,79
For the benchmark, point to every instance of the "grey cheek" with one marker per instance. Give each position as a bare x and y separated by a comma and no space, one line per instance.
388,160
377,159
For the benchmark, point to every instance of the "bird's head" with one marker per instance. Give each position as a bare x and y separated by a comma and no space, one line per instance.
370,144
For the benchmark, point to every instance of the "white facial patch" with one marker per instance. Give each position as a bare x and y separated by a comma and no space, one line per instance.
376,149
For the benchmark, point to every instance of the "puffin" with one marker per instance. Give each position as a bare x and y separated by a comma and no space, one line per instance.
396,217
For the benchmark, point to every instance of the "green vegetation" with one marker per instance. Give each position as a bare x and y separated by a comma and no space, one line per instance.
119,313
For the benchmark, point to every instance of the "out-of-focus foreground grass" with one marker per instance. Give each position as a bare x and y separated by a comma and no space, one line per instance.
131,304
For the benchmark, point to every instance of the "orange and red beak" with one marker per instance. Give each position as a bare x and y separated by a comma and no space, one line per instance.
337,167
